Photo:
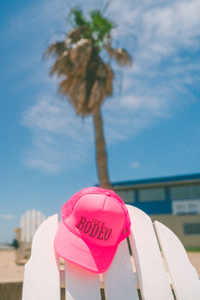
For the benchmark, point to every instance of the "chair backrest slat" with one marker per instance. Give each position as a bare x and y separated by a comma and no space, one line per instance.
81,284
183,275
152,276
119,280
42,274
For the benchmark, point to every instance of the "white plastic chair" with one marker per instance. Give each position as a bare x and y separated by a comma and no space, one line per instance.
148,273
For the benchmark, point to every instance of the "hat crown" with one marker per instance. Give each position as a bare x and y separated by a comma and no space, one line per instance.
98,216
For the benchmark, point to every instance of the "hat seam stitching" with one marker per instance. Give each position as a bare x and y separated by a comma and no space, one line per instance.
104,201
88,193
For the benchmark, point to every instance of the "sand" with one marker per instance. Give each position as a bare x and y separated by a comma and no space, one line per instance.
194,258
11,272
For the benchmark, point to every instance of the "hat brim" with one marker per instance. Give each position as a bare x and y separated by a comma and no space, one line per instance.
89,256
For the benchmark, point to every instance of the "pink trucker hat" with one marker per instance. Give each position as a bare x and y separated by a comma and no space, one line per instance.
94,222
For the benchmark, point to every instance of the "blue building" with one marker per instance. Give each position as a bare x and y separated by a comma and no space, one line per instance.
174,201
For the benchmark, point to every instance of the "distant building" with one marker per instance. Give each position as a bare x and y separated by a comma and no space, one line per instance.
173,201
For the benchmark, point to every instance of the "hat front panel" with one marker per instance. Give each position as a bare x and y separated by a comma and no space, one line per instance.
97,219
72,248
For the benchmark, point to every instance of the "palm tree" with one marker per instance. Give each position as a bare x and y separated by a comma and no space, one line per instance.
86,78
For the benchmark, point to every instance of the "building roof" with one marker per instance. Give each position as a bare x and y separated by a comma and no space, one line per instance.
171,180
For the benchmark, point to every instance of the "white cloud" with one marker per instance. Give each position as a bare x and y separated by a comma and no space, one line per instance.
126,116
59,138
153,106
6,217
135,165
163,30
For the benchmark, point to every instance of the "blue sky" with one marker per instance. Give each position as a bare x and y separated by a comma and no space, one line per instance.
152,125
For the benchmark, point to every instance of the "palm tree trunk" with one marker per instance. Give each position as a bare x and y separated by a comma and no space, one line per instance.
101,156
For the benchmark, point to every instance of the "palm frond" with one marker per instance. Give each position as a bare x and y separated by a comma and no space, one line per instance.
80,55
74,88
55,49
73,61
76,17
122,57
62,65
78,33
102,70
81,51
106,6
